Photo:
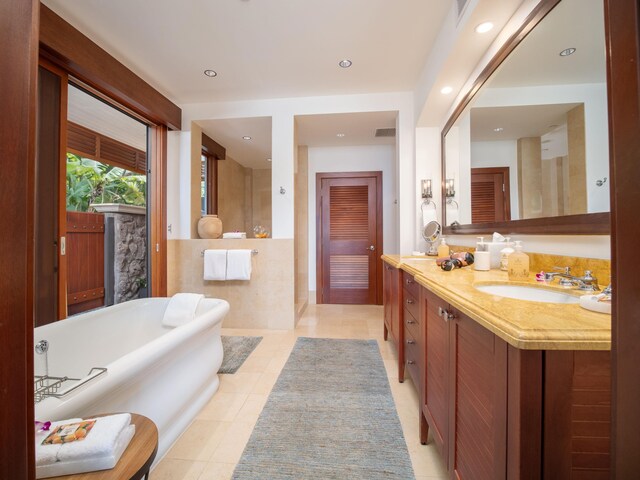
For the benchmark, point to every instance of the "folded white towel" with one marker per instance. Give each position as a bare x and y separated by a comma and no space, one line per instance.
181,309
47,454
89,464
239,265
215,264
234,235
100,442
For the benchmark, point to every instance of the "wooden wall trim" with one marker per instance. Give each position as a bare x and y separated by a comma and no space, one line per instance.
213,148
66,46
19,64
623,88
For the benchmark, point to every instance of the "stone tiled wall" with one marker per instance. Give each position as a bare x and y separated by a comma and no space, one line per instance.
266,301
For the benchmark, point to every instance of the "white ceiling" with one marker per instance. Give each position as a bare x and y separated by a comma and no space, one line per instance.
263,49
358,129
518,122
96,115
229,132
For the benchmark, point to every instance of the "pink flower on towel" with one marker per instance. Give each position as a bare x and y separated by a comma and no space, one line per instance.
42,426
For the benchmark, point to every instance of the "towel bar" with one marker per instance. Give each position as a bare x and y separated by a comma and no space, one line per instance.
253,252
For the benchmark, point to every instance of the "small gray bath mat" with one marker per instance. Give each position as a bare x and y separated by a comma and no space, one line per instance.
330,415
236,350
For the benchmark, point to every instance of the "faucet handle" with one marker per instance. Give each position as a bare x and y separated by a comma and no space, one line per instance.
608,290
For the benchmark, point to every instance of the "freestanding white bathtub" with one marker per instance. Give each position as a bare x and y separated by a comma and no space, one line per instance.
167,374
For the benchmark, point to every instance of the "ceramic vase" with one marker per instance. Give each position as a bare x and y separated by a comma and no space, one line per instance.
210,226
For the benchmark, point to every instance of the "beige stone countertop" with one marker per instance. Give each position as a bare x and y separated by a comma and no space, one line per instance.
524,324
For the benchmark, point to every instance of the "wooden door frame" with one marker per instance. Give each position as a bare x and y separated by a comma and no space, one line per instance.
506,176
623,88
18,95
329,175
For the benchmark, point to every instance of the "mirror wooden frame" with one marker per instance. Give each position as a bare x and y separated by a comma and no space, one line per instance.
584,224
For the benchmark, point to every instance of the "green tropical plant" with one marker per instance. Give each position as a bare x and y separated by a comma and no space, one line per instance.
90,182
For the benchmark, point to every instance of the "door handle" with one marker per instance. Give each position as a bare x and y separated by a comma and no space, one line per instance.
371,247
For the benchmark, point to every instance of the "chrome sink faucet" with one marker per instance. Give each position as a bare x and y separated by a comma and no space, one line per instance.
587,282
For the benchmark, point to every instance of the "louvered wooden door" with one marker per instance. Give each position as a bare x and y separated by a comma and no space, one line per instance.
490,195
349,246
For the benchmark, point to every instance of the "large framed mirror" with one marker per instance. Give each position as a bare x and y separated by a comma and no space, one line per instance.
527,150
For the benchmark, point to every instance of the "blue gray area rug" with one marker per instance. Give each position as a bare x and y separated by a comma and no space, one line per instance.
236,350
330,415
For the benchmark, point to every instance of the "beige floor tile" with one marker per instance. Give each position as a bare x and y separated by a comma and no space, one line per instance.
276,364
238,382
175,469
230,450
252,408
265,383
223,407
217,471
426,460
254,364
199,441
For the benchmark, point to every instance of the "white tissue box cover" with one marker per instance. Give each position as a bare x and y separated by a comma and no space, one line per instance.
234,235
89,464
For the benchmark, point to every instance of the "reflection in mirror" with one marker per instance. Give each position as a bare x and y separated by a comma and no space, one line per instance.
533,142
243,180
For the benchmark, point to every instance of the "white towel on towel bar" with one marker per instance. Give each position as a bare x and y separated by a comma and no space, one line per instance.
181,309
215,264
239,265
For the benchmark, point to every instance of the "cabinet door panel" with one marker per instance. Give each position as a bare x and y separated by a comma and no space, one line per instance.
478,401
435,406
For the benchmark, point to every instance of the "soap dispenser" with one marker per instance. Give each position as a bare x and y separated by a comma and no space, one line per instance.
443,249
504,255
518,264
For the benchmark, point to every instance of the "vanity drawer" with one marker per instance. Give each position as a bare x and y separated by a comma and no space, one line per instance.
410,285
411,324
412,357
411,303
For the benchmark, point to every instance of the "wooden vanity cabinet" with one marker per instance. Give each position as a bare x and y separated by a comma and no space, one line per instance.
392,300
465,392
498,412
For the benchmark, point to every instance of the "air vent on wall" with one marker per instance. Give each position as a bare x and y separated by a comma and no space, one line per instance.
385,132
461,4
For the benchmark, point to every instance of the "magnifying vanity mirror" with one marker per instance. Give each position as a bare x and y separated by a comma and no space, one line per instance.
527,150
431,233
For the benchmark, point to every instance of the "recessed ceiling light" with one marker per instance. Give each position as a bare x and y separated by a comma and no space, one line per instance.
268,159
498,129
346,63
446,90
211,73
567,51
484,27
340,135
246,137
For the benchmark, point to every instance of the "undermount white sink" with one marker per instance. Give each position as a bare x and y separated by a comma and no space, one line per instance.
532,294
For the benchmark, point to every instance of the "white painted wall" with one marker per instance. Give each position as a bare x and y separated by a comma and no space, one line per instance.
283,112
179,185
355,159
428,166
500,154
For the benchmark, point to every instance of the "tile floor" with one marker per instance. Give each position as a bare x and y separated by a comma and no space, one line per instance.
213,444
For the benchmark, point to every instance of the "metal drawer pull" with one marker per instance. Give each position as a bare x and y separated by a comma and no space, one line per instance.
445,314
411,322
410,301
411,362
409,281
411,342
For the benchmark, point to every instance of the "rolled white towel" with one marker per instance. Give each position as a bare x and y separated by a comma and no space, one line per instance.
181,309
100,442
48,454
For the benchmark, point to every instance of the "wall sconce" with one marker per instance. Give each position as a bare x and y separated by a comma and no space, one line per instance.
426,189
449,188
